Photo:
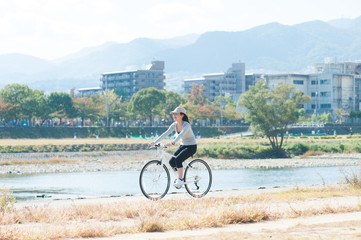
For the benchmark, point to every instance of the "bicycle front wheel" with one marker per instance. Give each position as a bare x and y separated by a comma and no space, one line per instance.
154,180
198,178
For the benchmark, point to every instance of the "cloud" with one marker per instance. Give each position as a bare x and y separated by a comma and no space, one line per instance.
54,28
51,27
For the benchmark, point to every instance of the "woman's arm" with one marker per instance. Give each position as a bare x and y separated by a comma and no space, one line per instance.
166,133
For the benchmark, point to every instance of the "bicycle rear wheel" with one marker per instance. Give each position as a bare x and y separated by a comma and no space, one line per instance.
198,178
154,180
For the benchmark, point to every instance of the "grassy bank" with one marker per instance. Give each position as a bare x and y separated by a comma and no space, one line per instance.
240,147
109,219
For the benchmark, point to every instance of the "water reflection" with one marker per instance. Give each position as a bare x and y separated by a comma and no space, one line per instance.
120,183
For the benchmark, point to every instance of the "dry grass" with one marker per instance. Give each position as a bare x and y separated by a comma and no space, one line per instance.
7,200
43,161
353,177
311,153
101,220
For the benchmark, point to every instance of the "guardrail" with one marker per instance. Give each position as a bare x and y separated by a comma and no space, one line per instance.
308,125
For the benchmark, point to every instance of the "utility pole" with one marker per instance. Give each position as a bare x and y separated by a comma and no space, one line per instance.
106,101
220,85
316,107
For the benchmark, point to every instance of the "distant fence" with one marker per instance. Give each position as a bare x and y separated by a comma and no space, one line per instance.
106,132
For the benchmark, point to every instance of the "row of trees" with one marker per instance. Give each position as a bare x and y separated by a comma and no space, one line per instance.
269,111
19,103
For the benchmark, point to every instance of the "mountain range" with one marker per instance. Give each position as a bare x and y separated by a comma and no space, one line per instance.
269,48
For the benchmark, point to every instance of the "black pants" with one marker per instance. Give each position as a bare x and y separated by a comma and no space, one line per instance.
182,153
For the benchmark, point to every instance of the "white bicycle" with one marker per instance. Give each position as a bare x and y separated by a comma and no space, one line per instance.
154,179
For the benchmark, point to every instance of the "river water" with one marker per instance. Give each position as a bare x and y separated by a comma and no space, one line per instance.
120,183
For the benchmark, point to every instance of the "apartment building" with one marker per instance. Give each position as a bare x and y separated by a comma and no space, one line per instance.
330,88
251,79
330,66
231,83
134,80
131,81
346,81
87,92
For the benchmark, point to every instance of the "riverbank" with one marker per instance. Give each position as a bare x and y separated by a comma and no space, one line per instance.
38,163
285,213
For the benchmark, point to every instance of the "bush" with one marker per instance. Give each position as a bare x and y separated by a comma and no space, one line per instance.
297,148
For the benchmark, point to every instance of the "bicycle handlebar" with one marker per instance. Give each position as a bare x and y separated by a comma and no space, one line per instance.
158,145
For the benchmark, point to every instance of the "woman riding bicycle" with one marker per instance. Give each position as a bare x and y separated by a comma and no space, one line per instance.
188,145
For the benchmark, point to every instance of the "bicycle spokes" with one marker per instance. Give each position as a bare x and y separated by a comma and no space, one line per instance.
154,180
198,177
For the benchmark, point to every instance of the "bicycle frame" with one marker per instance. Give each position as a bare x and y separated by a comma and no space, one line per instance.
164,161
162,158
155,178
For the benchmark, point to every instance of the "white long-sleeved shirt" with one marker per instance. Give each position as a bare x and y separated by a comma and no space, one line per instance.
186,135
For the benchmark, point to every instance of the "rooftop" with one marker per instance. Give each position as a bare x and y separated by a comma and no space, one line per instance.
89,89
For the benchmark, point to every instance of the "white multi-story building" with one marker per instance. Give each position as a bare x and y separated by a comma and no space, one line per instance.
135,80
332,86
87,92
231,83
130,82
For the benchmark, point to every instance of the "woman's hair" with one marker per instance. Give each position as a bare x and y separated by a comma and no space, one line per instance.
185,117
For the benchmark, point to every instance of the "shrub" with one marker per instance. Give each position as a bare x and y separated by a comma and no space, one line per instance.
297,147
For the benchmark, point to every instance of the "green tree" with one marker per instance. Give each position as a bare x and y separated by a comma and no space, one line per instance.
147,102
228,108
61,105
26,103
226,101
116,106
15,95
324,117
35,106
122,92
5,108
86,108
172,101
271,111
341,114
196,96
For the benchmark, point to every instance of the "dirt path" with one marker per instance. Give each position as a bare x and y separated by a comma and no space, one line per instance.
326,227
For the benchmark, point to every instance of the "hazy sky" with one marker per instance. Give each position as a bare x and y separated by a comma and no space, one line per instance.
54,28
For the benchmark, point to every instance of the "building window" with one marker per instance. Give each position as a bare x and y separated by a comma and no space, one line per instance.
298,82
325,81
326,105
313,94
314,82
313,106
325,94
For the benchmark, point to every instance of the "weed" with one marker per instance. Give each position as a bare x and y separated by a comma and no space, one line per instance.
6,200
353,177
